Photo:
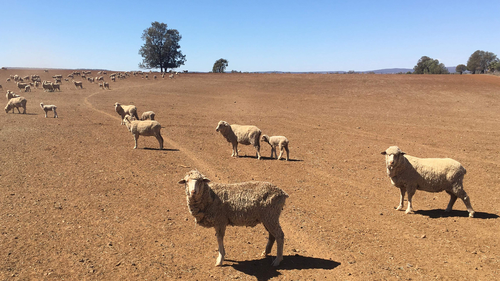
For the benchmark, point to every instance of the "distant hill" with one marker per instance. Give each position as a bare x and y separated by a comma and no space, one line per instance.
451,69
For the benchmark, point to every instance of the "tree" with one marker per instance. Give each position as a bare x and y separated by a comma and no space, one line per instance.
427,65
461,68
480,61
220,65
161,48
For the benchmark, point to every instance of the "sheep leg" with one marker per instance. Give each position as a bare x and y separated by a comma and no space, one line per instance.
257,147
160,141
287,153
281,152
55,114
453,198
411,192
401,198
463,195
276,232
219,232
270,243
136,136
45,113
235,150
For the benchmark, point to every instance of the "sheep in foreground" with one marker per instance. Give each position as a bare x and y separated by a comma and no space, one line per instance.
277,141
148,115
240,134
240,204
47,108
123,110
78,84
16,103
144,128
410,173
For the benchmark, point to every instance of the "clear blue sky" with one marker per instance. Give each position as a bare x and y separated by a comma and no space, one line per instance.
252,35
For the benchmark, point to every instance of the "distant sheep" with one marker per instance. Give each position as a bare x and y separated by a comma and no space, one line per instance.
47,108
56,86
47,86
241,204
123,110
21,86
146,128
16,103
277,141
410,174
243,134
27,88
105,85
148,115
78,84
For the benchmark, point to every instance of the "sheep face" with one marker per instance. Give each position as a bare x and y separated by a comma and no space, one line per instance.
221,126
393,156
265,138
194,182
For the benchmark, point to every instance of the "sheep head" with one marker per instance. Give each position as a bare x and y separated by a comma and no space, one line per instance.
265,138
393,156
222,126
194,182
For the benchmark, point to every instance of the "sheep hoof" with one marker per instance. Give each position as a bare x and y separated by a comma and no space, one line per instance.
264,254
409,212
277,261
399,208
471,214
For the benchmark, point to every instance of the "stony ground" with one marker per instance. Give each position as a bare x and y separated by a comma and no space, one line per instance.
77,202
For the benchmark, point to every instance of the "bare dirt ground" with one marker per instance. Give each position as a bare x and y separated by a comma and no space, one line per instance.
77,202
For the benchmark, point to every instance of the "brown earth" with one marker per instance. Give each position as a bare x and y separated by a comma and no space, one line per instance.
79,203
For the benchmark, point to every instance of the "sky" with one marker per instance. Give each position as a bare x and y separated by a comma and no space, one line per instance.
290,36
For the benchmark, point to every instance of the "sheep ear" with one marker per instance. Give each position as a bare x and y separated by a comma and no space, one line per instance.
205,179
403,153
183,181
383,153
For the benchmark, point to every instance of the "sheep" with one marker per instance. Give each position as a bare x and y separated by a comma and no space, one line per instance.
27,88
47,108
56,86
21,86
7,80
144,128
410,173
148,115
16,103
277,141
240,204
47,86
11,95
123,110
105,85
78,84
240,134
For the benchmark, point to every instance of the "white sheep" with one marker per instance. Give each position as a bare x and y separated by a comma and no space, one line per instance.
47,86
78,84
410,174
47,108
21,86
148,128
27,88
16,103
148,115
241,204
56,86
277,141
243,134
105,85
123,110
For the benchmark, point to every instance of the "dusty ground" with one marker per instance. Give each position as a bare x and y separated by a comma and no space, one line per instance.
78,203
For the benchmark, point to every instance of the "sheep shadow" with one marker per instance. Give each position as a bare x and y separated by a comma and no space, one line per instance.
164,149
265,158
263,270
440,213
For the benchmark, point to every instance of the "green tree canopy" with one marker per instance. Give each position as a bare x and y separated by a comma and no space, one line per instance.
427,65
479,61
220,65
161,48
461,68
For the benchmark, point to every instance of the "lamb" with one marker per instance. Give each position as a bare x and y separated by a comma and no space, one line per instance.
240,204
277,141
144,128
123,110
16,103
47,108
148,115
78,84
240,134
410,173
